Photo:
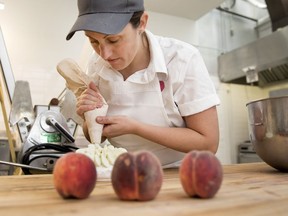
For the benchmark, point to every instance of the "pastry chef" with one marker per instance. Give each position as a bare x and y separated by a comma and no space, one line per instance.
158,89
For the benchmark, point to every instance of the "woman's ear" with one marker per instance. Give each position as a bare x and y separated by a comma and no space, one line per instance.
143,22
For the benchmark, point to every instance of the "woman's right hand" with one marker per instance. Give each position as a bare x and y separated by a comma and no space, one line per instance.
89,100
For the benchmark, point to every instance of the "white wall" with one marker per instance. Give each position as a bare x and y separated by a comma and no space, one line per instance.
35,31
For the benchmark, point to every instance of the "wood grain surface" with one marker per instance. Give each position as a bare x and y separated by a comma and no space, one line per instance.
247,189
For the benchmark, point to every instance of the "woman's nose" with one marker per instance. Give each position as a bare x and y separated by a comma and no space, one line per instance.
105,51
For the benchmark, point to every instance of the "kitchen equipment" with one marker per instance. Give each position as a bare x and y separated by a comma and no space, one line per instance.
5,118
21,112
22,107
24,166
268,129
264,60
8,78
49,138
5,155
247,154
44,131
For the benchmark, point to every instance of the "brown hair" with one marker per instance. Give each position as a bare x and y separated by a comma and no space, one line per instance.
135,19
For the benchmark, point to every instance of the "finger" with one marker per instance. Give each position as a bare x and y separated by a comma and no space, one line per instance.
85,108
87,103
104,120
89,96
93,87
80,111
91,92
89,99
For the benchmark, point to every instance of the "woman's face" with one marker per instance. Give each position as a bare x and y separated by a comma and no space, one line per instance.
118,50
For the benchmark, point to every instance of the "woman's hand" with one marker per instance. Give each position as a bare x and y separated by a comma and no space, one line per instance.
117,125
88,100
201,131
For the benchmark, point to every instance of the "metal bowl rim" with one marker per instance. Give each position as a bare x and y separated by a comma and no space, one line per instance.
266,99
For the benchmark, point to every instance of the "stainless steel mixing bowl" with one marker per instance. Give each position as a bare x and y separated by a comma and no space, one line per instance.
268,129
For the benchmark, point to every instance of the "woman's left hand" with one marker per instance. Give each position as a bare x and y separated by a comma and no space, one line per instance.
201,131
117,125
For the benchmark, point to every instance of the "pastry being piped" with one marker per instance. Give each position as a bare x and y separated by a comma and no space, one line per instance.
103,157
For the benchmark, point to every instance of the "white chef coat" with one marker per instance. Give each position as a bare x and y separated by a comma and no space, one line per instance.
176,83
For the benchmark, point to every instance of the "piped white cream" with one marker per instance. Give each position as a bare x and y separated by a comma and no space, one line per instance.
103,157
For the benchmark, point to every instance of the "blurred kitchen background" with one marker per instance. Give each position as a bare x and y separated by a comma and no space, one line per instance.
225,32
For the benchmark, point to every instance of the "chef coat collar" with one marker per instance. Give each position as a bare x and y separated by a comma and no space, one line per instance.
157,61
157,65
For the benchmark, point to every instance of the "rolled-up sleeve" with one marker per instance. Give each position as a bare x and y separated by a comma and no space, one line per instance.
194,90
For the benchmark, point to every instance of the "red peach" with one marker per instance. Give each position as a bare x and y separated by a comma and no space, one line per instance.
201,174
74,175
137,176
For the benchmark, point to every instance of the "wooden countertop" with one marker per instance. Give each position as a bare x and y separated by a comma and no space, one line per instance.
247,189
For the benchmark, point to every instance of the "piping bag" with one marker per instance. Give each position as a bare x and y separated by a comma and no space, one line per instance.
77,81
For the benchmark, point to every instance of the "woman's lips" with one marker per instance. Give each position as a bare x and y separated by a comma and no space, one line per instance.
113,61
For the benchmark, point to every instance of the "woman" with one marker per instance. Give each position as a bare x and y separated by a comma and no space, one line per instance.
158,90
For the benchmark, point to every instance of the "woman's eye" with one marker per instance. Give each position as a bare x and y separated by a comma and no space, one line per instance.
113,40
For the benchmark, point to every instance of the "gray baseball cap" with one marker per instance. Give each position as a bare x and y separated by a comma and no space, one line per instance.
104,16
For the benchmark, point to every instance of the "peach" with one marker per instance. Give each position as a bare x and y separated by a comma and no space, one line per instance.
137,176
201,174
74,175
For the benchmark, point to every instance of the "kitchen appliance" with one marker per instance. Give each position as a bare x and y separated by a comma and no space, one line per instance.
49,138
5,155
11,164
268,129
44,131
263,61
247,153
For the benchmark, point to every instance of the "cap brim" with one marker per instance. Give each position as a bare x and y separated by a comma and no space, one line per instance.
105,23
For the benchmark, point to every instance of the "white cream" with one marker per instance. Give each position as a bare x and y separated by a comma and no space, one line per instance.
103,157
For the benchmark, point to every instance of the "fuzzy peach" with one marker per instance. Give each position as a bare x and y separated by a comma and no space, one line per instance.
137,176
74,175
201,174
